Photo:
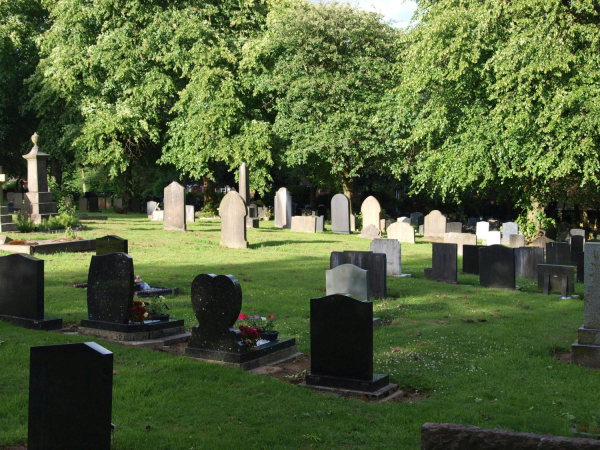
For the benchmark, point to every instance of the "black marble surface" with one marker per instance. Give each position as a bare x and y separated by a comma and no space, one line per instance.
111,244
22,286
110,288
558,253
576,247
527,260
217,303
444,259
70,397
93,204
556,273
497,267
471,259
341,337
375,263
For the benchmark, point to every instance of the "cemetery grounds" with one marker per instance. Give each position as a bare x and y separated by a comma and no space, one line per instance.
461,353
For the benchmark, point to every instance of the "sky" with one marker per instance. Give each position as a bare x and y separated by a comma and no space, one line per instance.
398,11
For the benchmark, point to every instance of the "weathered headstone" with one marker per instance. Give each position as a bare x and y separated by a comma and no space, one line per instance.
233,221
404,219
371,211
497,267
93,204
558,253
550,278
527,260
370,232
493,238
38,200
471,258
541,242
101,203
158,215
393,252
22,293
460,239
402,231
320,224
414,218
348,279
70,397
435,225
283,209
562,232
577,232
454,227
421,229
375,263
508,229
150,207
352,223
83,204
383,225
516,240
341,339
244,183
18,200
482,229
190,214
340,214
304,224
111,244
174,218
443,263
576,247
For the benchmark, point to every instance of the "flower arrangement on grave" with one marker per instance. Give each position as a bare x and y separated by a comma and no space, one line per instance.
266,325
157,308
138,312
250,335
139,284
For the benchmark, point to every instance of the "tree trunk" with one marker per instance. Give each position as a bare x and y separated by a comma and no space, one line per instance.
209,187
128,191
348,187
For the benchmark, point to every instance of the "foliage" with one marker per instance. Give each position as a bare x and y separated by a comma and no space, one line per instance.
157,306
60,222
24,223
532,228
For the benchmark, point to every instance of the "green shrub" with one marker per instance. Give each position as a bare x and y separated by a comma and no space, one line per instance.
60,222
25,224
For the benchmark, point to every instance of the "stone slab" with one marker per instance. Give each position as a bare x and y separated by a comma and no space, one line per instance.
516,241
497,267
444,263
454,227
460,239
304,224
403,232
527,260
555,273
558,253
393,251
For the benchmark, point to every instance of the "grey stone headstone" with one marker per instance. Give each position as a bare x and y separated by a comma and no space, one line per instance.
471,259
283,209
421,229
375,263
150,207
340,214
371,211
577,232
174,207
444,263
527,260
253,211
10,196
320,224
244,183
83,204
404,219
493,238
158,216
111,244
101,203
577,243
454,227
233,221
402,231
348,279
18,200
541,242
110,288
554,274
190,214
435,224
516,240
558,253
393,252
352,223
562,232
414,218
370,232
482,229
497,267
460,239
304,224
508,229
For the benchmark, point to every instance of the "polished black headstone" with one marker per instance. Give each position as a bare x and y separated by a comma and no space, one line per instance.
70,397
471,259
580,267
555,274
497,267
111,244
217,302
443,263
93,204
375,263
576,247
22,292
110,288
527,260
136,206
558,253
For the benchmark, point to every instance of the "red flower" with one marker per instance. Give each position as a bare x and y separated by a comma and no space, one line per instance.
242,316
271,316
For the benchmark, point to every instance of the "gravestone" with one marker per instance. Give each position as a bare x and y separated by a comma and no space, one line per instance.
576,247
244,183
150,207
586,351
18,200
482,229
550,278
304,224
136,206
403,232
472,221
562,232
370,232
577,232
70,397
460,239
581,267
493,238
320,224
190,214
101,203
340,214
233,221
454,227
393,252
404,220
371,211
174,217
527,260
348,279
435,225
471,259
443,263
541,242
111,244
516,240
158,215
6,223
108,203
383,223
558,253
38,204
508,229
497,267
283,209
375,263
93,204
421,229
341,343
22,293
352,223
414,218
119,203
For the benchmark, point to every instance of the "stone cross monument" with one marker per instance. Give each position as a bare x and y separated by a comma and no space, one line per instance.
38,201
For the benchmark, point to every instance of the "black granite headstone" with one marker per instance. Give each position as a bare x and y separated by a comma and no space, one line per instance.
136,206
580,267
70,397
375,263
111,244
558,253
471,259
110,288
497,267
443,263
341,341
93,204
22,292
576,247
527,260
555,275
217,302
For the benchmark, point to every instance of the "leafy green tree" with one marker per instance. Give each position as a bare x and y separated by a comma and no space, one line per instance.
321,70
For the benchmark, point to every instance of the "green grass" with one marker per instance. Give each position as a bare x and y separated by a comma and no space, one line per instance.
500,373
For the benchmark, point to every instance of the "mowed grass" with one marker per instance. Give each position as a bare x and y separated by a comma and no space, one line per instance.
482,357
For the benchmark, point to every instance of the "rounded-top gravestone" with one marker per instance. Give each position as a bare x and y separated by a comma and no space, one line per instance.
435,224
371,211
233,221
340,214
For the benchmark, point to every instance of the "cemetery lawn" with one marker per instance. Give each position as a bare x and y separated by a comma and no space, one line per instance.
465,354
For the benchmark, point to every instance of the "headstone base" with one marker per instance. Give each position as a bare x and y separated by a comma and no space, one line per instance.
377,395
252,223
379,383
259,356
131,332
428,273
48,324
84,217
586,351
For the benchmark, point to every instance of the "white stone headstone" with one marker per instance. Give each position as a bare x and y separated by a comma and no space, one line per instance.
233,221
283,209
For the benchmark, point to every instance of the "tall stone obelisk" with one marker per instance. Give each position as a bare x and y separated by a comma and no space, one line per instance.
38,202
